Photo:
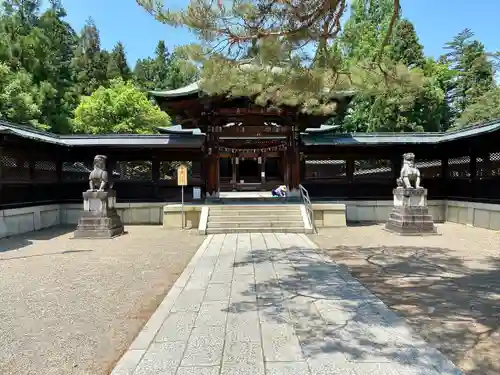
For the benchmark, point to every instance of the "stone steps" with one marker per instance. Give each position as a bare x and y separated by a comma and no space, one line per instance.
255,224
255,230
255,207
284,218
252,218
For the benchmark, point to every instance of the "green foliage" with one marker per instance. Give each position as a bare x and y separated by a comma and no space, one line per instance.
89,62
401,108
250,49
117,64
255,49
405,47
166,71
17,97
121,108
273,34
475,75
486,107
46,67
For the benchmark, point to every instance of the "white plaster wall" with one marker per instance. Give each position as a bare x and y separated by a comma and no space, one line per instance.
482,215
28,219
378,211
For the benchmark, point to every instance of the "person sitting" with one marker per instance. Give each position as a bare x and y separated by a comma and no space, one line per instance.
280,191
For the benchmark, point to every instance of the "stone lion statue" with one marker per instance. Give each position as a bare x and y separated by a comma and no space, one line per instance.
98,178
410,175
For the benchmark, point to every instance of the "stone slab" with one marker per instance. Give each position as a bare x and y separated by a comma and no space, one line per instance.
309,317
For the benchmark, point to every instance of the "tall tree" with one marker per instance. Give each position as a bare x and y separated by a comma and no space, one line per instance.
17,97
405,46
117,64
144,73
395,109
56,76
41,46
475,74
90,62
27,10
162,58
165,71
485,108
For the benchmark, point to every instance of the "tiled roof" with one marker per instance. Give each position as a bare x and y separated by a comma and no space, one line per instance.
314,139
125,140
178,137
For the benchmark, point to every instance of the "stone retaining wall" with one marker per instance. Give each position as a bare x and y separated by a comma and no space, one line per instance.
326,214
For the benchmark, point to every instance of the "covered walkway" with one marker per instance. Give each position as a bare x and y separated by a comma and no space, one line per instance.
271,304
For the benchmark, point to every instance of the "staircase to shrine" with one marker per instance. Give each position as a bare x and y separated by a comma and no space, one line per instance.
248,218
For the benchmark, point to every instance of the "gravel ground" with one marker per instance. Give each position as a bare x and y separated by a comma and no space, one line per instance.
448,286
73,307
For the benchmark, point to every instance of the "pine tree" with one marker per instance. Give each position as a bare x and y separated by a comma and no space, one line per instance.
475,72
58,101
277,32
144,74
405,46
161,61
410,108
90,62
27,10
117,64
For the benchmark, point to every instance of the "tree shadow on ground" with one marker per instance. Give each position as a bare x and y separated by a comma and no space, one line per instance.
333,315
26,239
454,306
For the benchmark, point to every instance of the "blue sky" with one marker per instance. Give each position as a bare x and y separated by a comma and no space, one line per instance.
436,21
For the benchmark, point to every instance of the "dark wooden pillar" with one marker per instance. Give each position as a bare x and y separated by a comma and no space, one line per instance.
349,166
472,171
155,176
212,162
235,164
302,167
30,159
444,176
262,166
396,167
59,167
284,166
294,159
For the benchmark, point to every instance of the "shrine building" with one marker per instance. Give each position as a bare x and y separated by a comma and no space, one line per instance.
245,147
233,145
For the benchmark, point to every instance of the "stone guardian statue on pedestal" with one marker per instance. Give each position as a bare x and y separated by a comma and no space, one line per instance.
410,175
410,214
99,218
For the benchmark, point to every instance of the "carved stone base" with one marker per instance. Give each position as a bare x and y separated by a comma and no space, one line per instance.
99,218
410,215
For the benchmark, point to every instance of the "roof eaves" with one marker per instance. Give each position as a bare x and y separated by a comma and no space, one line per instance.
190,89
29,133
470,131
130,140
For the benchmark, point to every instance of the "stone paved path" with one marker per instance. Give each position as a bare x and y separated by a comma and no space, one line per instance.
271,304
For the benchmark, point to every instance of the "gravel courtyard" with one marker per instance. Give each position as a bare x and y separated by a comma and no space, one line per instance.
448,286
73,307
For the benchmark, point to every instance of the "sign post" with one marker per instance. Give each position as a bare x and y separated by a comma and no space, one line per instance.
182,181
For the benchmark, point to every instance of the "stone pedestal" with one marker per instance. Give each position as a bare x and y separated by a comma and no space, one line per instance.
410,215
99,218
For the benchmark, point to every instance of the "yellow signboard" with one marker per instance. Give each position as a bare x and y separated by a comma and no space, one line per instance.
182,175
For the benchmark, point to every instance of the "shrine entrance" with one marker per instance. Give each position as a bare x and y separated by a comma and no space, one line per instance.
251,155
251,170
252,158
